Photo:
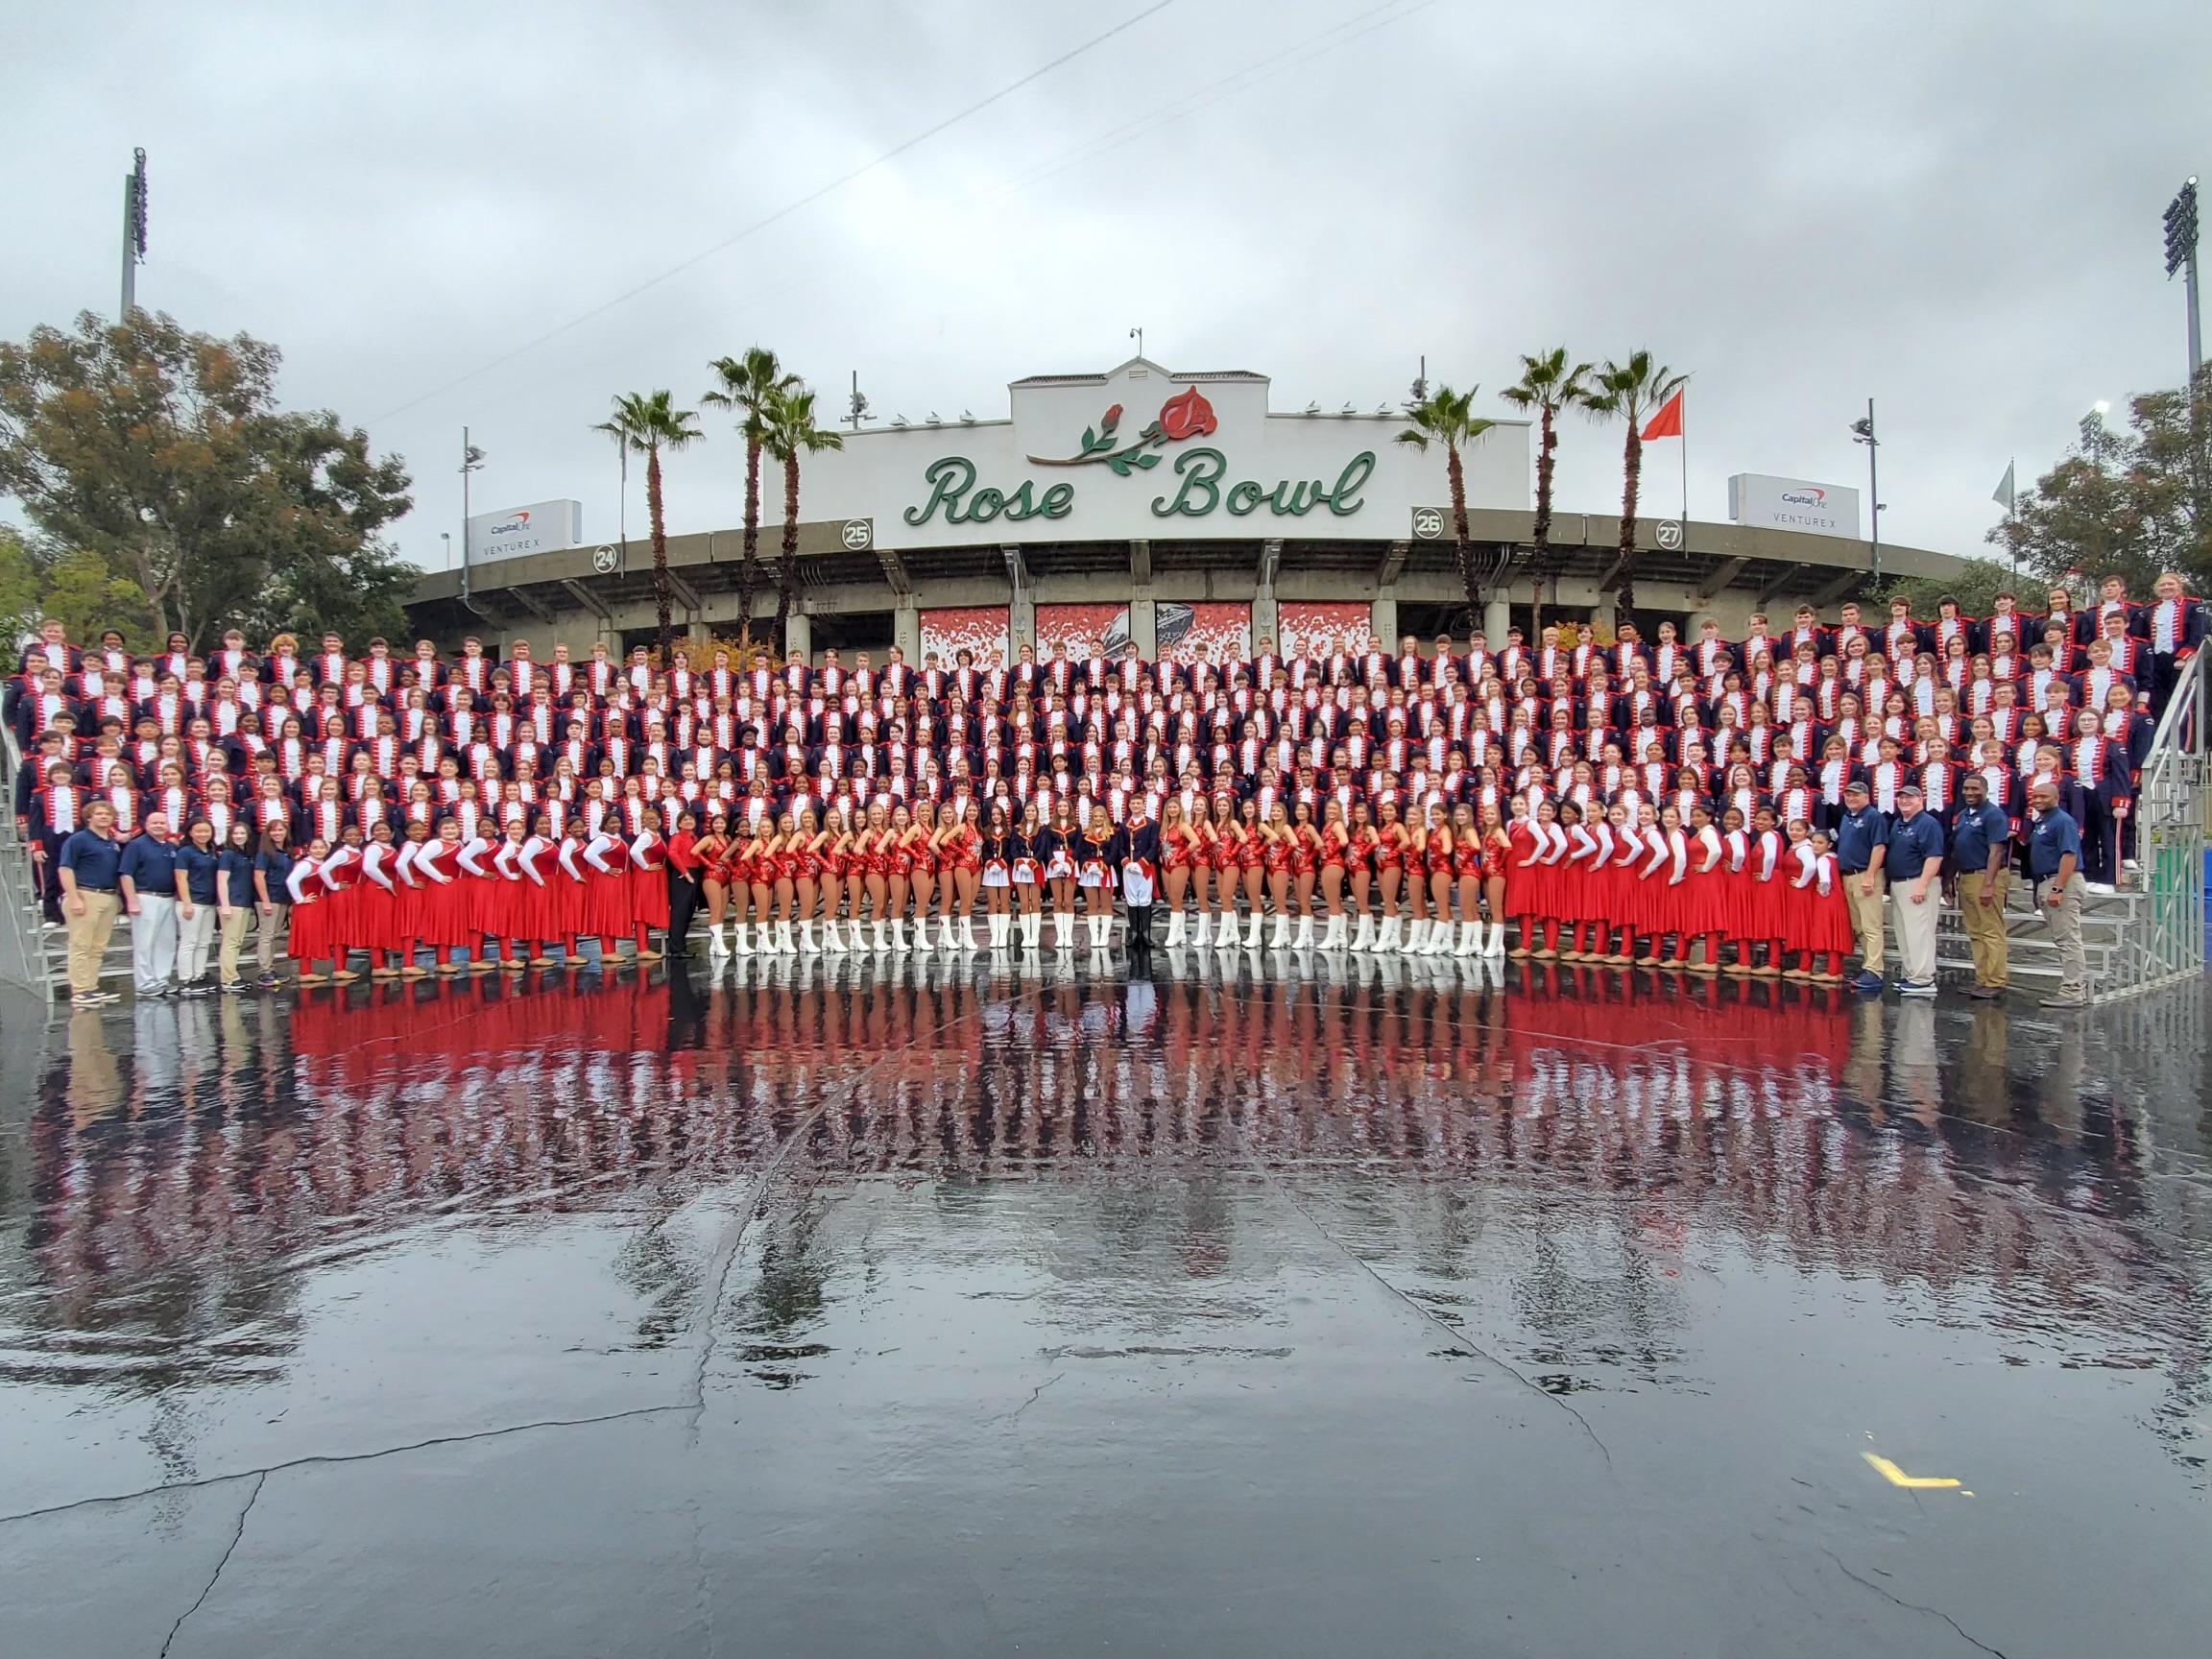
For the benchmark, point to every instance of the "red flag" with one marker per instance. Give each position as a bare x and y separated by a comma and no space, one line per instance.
1667,422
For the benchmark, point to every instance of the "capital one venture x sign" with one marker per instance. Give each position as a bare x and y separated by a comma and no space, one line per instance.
1140,453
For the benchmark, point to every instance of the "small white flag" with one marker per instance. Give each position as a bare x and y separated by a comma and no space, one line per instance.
2003,496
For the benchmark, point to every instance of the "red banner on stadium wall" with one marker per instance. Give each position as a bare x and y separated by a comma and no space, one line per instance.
980,628
1315,630
1219,633
1078,627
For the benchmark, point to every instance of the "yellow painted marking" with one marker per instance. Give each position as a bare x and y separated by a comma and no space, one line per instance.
1898,1477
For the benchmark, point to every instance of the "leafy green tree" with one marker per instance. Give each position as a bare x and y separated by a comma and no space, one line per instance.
2126,503
1446,417
1976,587
1549,387
748,386
1633,391
649,423
791,433
162,453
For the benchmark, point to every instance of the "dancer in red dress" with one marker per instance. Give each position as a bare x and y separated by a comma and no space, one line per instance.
381,903
606,895
649,886
310,941
342,918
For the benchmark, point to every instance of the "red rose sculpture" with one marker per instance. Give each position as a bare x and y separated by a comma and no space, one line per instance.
1187,415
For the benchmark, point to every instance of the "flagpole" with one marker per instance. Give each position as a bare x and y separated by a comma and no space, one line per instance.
1685,467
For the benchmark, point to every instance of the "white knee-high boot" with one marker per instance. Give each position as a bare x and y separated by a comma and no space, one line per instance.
806,936
1280,938
1252,933
1416,936
1442,939
832,941
1363,935
1305,939
1064,930
1386,934
1174,928
882,935
1497,938
1470,938
1334,938
743,938
1202,937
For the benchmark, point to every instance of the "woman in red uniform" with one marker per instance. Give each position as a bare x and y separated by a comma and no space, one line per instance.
1359,871
1735,887
381,903
310,940
1390,847
837,852
1275,844
648,885
807,875
510,911
571,886
1305,869
711,848
606,895
1416,889
1828,935
906,877
539,916
1524,844
1497,880
757,856
1096,876
1467,877
872,863
1442,849
1177,846
1704,908
1764,917
998,854
442,920
1336,840
1028,876
966,846
1223,842
342,916
414,896
477,884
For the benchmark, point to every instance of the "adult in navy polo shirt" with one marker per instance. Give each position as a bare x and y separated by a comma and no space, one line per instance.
1981,872
149,878
86,868
1861,835
2054,865
1914,861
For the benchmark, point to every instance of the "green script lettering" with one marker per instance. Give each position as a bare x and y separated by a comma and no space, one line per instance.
1244,497
1201,470
1344,499
1300,503
1059,501
943,490
985,507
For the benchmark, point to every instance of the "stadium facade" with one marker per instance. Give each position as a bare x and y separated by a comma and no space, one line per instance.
1178,510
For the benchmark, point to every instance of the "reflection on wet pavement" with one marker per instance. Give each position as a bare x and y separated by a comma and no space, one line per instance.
1209,1316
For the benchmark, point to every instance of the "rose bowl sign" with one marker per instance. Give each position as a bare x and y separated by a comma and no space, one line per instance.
1140,452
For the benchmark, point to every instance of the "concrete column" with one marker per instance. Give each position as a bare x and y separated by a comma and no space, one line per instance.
1384,621
1267,614
1497,617
1021,610
799,635
907,630
1144,626
1607,611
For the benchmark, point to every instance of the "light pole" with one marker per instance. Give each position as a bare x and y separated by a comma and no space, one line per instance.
1862,432
472,461
2181,255
134,234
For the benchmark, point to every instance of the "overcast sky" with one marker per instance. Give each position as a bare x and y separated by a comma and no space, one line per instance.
1953,208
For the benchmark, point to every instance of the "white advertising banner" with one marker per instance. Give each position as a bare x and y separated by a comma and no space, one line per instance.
1140,453
1770,503
541,527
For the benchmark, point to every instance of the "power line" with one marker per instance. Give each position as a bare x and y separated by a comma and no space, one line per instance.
781,213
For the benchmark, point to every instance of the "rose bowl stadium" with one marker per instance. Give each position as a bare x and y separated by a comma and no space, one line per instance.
1176,510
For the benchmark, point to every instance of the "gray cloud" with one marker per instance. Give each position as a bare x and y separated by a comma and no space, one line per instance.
1953,208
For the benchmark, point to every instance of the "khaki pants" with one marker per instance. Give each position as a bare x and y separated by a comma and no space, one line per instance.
1916,931
1985,925
230,944
270,928
88,936
1866,920
2066,933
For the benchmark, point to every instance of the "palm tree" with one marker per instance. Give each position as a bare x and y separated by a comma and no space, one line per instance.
788,432
649,423
748,384
1632,390
1551,388
1447,417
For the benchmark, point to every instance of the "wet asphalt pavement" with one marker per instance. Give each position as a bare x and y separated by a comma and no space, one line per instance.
1396,1313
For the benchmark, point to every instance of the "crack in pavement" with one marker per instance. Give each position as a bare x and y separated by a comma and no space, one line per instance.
260,1480
1459,1339
1033,1393
314,1460
1910,1606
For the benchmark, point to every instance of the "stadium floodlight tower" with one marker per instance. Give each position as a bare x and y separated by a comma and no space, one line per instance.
2181,255
134,232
